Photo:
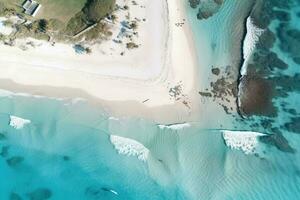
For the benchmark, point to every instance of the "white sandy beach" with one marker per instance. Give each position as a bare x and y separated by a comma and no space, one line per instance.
137,83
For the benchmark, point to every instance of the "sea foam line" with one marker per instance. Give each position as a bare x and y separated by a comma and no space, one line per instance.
250,41
129,147
245,141
17,122
174,126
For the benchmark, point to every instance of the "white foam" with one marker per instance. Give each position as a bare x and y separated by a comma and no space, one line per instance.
17,122
114,192
174,126
113,118
252,37
129,147
245,141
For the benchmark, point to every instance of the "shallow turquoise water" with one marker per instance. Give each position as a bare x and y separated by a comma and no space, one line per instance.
65,152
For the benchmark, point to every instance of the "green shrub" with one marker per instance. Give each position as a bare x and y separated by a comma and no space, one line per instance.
131,45
76,24
95,10
55,25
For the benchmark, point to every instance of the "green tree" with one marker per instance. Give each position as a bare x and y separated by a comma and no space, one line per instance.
95,10
43,25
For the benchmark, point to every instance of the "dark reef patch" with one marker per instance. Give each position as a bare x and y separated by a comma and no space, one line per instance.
97,192
268,60
40,194
266,40
264,12
207,8
293,125
216,71
282,15
223,89
66,158
256,97
14,196
278,141
2,136
4,151
219,2
204,14
194,3
265,66
285,84
93,192
289,40
267,123
205,94
296,60
14,161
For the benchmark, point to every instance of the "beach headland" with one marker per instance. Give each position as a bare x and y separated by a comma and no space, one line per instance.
155,81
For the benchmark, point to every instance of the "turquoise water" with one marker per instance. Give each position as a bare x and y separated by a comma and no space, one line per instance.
275,175
65,151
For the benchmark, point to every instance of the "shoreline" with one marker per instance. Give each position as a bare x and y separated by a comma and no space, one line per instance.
125,96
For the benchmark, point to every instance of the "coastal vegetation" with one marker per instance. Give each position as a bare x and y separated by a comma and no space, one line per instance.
60,20
96,10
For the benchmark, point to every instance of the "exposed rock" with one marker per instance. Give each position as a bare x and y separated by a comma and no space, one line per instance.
205,94
194,3
215,71
204,14
208,8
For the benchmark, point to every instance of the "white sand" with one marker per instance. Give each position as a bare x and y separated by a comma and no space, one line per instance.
143,76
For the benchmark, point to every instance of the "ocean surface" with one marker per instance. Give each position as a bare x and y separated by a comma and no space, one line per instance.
63,149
